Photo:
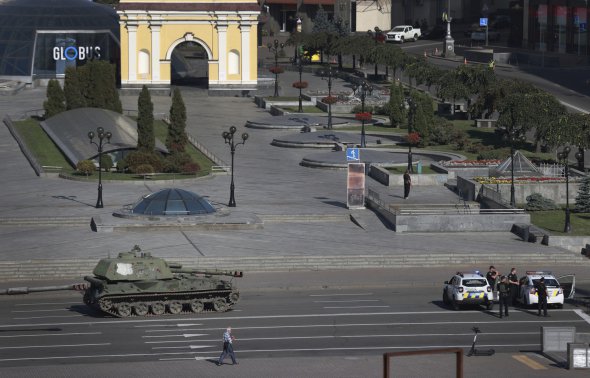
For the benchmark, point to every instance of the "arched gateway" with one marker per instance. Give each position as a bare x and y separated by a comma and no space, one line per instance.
225,29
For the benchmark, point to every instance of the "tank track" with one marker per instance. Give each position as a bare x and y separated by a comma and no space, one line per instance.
208,297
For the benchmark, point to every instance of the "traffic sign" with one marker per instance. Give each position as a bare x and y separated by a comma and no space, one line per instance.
353,154
583,26
483,21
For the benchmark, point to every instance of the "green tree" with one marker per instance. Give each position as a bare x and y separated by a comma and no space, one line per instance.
583,197
99,85
423,116
395,108
450,88
56,100
85,167
322,23
177,139
72,90
106,162
146,140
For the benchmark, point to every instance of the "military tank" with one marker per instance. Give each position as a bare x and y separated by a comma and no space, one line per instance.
135,283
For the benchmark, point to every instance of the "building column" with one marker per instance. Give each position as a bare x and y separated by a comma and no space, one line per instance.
222,47
155,28
245,53
132,51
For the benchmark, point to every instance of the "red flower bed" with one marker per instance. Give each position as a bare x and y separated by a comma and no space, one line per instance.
330,100
277,70
300,84
364,116
413,138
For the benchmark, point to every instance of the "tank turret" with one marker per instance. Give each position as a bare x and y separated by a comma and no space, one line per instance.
135,283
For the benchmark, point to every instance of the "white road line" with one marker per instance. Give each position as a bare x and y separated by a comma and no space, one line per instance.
53,346
95,356
186,335
349,337
46,304
330,307
583,315
349,301
156,322
54,334
337,295
51,316
52,310
169,325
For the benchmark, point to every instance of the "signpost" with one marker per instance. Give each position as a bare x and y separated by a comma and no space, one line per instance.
484,22
355,188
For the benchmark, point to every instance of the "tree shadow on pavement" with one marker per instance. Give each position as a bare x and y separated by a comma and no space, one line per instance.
73,199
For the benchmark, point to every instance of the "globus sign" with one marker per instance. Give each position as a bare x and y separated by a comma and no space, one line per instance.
73,53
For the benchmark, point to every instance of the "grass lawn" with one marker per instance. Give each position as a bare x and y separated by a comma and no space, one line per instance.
48,154
554,222
306,109
282,98
402,170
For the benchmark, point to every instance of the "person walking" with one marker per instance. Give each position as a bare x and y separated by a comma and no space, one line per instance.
228,347
503,295
407,183
542,295
514,288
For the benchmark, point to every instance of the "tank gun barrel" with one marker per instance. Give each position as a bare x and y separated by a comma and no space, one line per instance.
27,290
176,268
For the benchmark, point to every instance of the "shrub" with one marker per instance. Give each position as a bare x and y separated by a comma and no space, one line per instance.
368,109
85,167
442,131
536,202
490,155
583,197
300,84
461,139
174,162
191,167
413,138
106,162
132,161
143,169
328,100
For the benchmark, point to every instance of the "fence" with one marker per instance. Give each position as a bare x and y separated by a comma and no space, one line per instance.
552,169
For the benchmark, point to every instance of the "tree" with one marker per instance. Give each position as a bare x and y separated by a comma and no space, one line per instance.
146,140
99,85
451,88
423,116
106,162
395,108
56,100
72,90
583,197
322,23
177,139
85,167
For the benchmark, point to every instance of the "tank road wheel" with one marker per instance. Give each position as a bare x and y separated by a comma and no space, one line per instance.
105,305
87,299
220,305
123,309
175,307
158,308
197,306
141,309
234,297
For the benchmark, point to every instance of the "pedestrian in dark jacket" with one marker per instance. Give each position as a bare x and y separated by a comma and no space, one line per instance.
503,295
542,294
407,184
514,287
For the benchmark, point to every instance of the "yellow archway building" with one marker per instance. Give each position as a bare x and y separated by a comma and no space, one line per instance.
226,29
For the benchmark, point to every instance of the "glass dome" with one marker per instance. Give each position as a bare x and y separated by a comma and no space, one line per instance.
173,201
30,30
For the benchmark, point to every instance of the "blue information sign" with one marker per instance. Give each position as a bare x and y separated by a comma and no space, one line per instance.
483,22
583,26
352,154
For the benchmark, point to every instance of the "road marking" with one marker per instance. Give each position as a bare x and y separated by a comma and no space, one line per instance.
46,304
337,295
583,315
156,322
356,306
186,335
59,309
529,362
54,334
53,346
52,316
349,301
346,336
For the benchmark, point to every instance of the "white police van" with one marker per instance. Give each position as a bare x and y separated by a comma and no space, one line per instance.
468,288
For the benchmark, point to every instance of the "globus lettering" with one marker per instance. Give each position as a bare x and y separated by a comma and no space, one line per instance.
73,53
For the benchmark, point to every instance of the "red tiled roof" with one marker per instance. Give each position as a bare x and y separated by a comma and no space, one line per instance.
188,7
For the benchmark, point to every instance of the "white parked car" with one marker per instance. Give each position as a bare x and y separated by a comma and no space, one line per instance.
557,293
468,288
403,33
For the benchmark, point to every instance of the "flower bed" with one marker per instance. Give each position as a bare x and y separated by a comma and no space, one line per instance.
518,180
470,163
363,116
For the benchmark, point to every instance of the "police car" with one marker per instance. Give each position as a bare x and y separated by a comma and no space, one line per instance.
556,293
468,288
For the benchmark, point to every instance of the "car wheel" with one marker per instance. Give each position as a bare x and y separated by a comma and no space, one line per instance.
415,37
401,40
490,305
456,306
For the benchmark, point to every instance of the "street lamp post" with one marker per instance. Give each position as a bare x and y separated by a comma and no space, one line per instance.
228,136
102,135
328,78
364,87
513,135
449,45
563,156
275,47
411,114
300,69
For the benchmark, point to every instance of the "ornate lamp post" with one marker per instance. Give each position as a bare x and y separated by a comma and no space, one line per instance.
228,136
327,75
411,114
101,134
364,87
300,84
513,136
563,156
449,44
275,48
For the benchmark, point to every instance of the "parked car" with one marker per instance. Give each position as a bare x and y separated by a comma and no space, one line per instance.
557,292
403,33
480,35
468,288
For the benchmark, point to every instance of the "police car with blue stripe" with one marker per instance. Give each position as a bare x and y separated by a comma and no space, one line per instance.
468,288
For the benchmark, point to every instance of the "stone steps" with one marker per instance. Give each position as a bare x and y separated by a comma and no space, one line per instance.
76,268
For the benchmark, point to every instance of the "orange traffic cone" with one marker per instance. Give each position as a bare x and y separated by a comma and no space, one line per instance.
464,60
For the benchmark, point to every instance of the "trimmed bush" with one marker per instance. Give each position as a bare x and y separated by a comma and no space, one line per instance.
191,167
536,202
56,100
85,167
490,155
106,162
132,161
174,162
143,169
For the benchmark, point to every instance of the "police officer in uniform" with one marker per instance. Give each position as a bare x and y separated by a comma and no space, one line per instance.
513,281
542,293
503,295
